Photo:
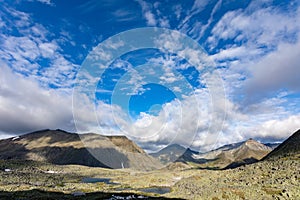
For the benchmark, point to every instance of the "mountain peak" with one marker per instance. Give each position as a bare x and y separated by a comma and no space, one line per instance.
250,141
255,145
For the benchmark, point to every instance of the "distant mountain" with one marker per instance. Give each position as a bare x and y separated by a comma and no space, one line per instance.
289,148
234,155
61,147
227,156
170,153
272,145
190,156
177,153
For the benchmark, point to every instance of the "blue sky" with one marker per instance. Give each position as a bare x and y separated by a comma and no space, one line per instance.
153,96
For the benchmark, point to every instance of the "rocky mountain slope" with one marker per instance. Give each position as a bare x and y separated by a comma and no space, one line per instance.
60,147
170,153
227,156
245,152
289,148
276,176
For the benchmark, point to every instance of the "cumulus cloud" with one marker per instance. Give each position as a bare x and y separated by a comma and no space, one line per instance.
197,122
276,71
263,58
204,118
25,106
279,130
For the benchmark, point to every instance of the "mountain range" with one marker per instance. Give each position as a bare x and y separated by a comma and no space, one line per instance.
227,156
61,147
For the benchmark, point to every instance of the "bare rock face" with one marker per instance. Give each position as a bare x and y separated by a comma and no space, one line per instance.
60,147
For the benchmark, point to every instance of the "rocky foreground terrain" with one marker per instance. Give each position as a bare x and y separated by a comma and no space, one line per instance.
277,176
263,180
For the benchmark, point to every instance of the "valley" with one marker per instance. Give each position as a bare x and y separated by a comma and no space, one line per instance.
262,180
277,176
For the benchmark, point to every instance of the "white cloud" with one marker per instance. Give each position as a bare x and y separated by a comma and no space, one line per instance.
265,37
168,76
177,10
179,121
198,7
147,13
278,129
264,54
151,21
25,106
122,15
48,2
264,26
153,15
233,52
143,121
132,82
23,53
48,49
20,49
199,29
277,70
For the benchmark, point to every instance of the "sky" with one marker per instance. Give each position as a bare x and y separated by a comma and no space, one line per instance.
197,73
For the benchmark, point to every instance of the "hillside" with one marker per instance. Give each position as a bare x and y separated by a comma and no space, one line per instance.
60,147
289,148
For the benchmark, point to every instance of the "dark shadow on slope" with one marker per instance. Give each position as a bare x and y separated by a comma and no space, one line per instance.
45,195
210,168
243,162
104,157
10,151
289,148
246,161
